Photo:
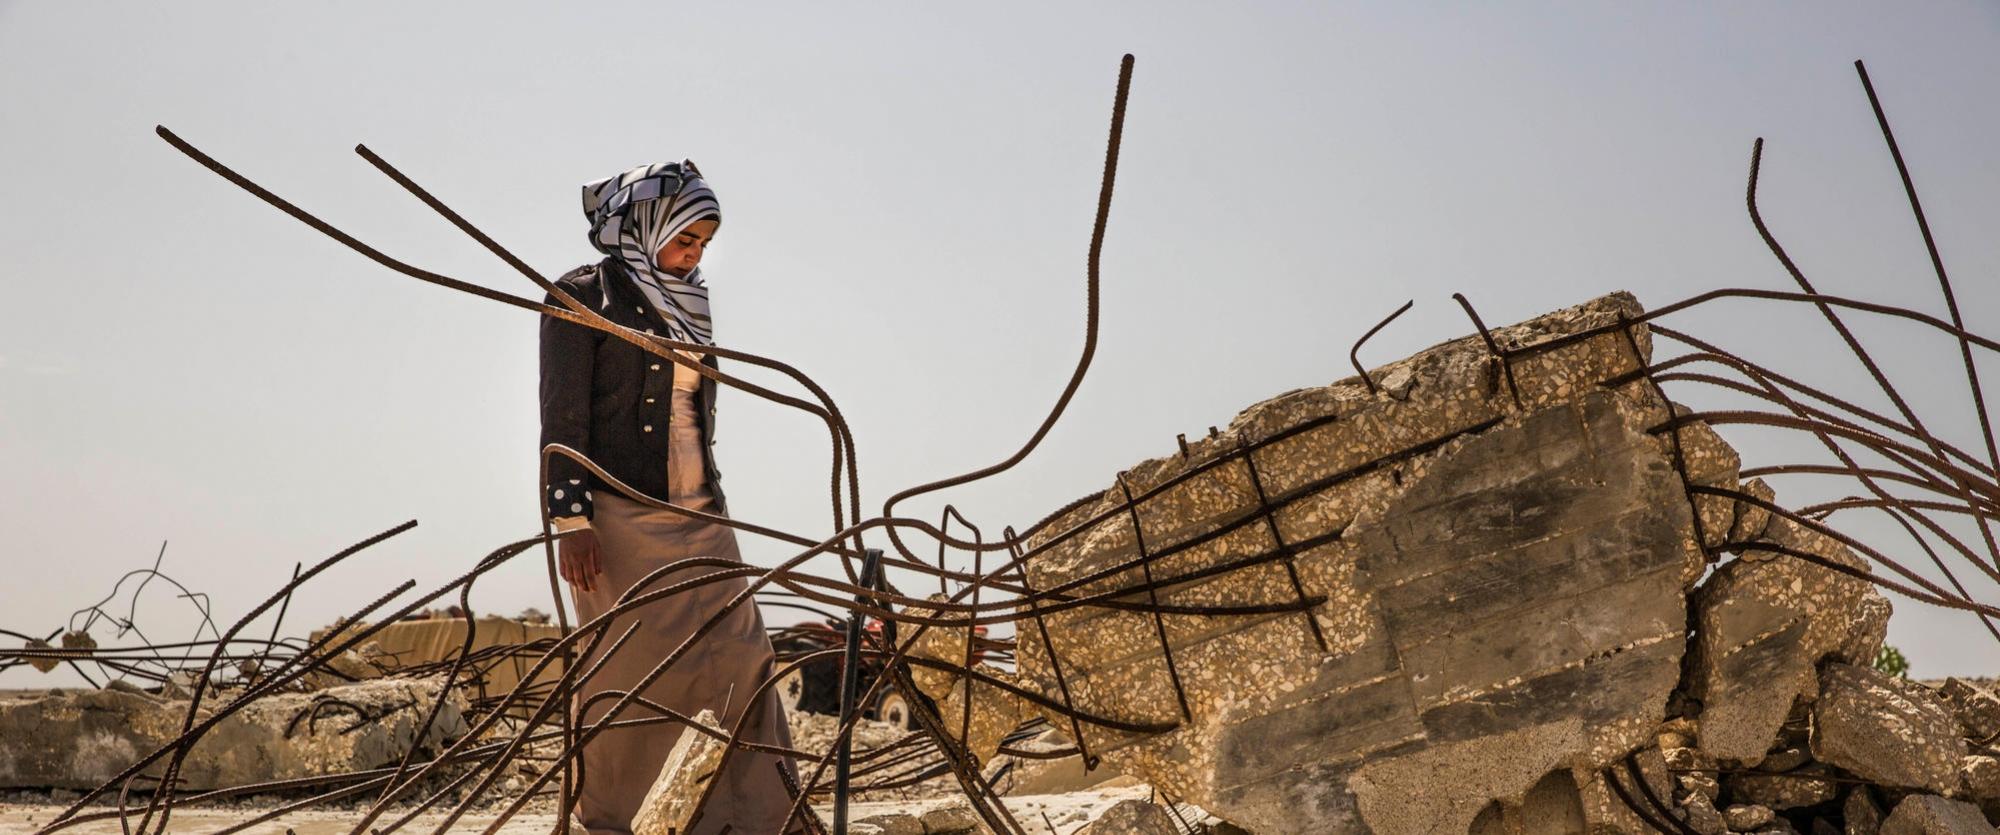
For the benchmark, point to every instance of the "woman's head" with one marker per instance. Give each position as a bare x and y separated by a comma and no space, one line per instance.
657,219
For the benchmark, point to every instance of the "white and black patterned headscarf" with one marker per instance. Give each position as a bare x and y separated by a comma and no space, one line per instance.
635,213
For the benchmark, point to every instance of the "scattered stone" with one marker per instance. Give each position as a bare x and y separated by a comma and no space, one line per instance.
1681,725
1860,813
1701,784
1808,786
1702,816
895,823
677,792
1784,759
1745,818
41,663
1132,817
1886,730
1977,709
123,686
951,820
1397,383
179,685
1925,814
1979,774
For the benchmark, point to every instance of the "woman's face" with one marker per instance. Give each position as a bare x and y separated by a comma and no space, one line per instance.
682,252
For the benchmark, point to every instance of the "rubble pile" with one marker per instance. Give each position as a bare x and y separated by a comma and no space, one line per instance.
1504,618
78,739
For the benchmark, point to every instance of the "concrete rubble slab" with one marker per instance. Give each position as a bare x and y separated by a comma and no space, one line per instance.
1886,730
1977,709
1133,817
80,739
1510,561
1762,627
671,803
1924,814
1504,584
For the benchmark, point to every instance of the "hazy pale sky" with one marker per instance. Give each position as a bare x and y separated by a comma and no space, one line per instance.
909,190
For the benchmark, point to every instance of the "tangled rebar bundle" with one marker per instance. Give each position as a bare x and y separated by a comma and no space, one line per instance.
1930,487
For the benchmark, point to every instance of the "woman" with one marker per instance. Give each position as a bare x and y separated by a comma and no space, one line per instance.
650,423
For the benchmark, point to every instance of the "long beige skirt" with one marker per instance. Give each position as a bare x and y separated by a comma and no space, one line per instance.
719,672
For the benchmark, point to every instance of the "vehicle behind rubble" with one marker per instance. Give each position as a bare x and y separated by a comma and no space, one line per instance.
815,686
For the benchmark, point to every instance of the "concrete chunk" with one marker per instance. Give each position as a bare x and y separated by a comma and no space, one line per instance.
1923,814
672,801
1809,786
1762,628
1977,709
1132,817
1503,570
1886,730
1860,812
79,739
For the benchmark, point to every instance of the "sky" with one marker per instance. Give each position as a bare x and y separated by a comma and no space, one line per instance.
909,191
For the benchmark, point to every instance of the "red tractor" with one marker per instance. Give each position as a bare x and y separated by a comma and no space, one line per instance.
815,686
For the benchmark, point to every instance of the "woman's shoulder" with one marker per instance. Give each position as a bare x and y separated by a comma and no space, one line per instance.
586,282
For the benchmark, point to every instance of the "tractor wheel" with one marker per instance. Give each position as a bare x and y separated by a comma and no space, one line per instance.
895,709
791,689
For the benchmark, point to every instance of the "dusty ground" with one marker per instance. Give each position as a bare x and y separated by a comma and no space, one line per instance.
1065,812
1061,809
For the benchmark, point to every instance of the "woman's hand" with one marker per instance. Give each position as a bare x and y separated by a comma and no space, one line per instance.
579,564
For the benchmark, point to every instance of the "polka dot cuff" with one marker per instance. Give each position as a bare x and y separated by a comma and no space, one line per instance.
569,497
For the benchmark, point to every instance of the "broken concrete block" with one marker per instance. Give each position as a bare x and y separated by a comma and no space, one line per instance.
1979,775
895,823
1762,627
79,642
1784,758
1809,786
1709,461
1132,817
992,714
676,794
950,820
1860,812
1702,816
1701,784
1747,817
41,663
1886,730
1751,517
1977,709
1924,814
80,739
942,643
1503,585
1869,629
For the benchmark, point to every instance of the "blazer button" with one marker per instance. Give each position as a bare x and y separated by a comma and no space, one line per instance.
649,399
648,427
638,309
656,367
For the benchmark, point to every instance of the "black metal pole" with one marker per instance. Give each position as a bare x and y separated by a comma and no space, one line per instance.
850,685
